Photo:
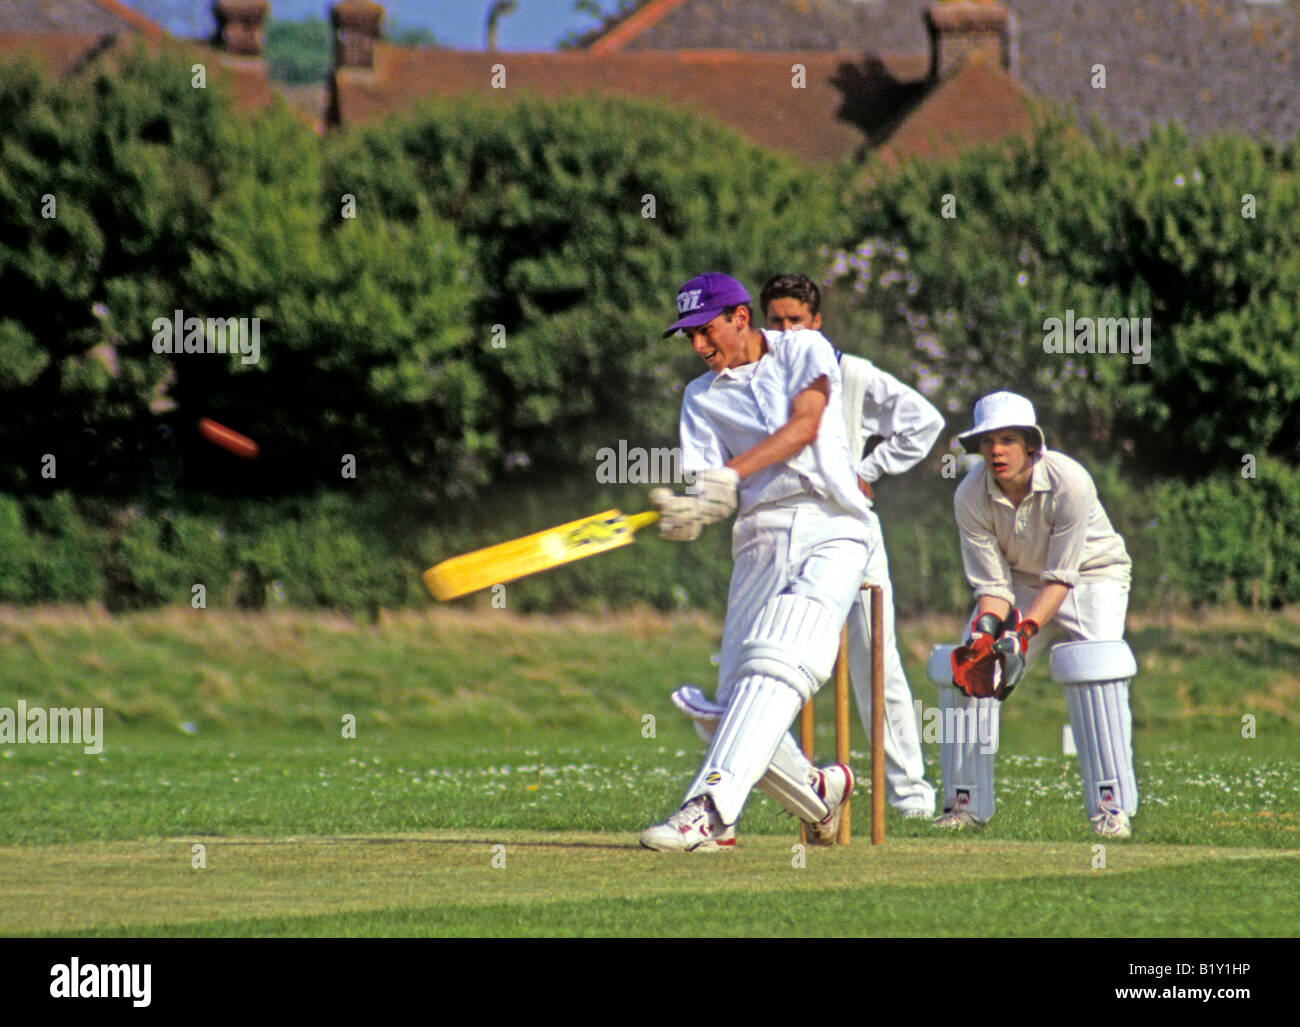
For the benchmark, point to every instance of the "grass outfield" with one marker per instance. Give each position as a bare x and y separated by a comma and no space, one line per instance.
554,738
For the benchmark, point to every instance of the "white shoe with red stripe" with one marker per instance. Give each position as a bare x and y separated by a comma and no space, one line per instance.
696,827
958,816
1112,822
834,784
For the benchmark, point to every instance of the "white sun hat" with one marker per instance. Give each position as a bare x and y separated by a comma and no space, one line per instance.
1001,410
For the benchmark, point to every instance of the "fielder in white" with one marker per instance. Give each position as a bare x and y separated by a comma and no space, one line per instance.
1034,538
762,431
876,405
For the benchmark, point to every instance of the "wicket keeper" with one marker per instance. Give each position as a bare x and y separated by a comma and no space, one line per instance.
1037,547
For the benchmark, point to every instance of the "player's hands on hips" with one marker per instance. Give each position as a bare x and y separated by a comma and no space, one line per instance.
1013,641
679,517
975,666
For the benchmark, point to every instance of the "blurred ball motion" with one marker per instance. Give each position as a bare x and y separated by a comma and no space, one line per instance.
231,441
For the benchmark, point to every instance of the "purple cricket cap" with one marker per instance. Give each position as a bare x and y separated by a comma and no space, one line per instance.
704,297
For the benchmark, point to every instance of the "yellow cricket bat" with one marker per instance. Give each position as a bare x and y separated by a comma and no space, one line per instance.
507,561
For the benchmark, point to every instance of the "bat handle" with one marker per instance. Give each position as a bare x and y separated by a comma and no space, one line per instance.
636,522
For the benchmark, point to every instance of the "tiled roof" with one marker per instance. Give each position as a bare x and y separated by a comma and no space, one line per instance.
847,100
977,104
766,25
1213,65
67,53
134,19
623,31
1214,68
60,53
90,17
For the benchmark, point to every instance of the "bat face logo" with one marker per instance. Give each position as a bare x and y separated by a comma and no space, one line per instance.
534,553
595,532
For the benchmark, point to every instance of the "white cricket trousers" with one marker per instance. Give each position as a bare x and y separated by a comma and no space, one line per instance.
905,785
810,548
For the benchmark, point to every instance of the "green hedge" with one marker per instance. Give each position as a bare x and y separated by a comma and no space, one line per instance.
955,266
1228,539
49,553
443,295
318,552
489,319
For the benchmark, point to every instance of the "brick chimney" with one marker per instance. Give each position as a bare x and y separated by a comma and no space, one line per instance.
239,26
961,28
356,30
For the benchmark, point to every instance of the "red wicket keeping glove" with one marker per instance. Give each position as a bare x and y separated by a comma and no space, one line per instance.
975,665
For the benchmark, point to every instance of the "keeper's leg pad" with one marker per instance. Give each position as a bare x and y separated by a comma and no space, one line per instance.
968,745
790,781
938,668
1075,663
758,716
1096,676
794,640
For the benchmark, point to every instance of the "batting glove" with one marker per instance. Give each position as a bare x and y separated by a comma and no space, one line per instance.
716,493
679,516
1013,641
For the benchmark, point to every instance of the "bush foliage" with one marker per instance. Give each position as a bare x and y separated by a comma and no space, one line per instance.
585,216
956,266
460,307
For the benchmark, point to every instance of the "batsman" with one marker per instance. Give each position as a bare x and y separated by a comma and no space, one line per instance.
1037,547
763,434
903,427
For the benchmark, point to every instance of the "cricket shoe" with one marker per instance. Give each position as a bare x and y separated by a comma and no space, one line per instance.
834,786
917,814
1112,822
696,827
957,817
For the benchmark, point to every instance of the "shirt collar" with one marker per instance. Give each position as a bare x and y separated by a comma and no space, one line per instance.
743,373
1038,480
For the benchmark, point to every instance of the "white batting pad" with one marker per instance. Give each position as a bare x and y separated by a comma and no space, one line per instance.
938,668
1103,733
759,715
968,745
1074,662
790,781
794,640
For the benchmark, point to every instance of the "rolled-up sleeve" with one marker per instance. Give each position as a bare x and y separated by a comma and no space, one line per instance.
809,356
1069,536
986,567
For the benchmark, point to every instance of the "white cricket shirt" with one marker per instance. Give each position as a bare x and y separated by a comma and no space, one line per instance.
727,413
877,403
1058,533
